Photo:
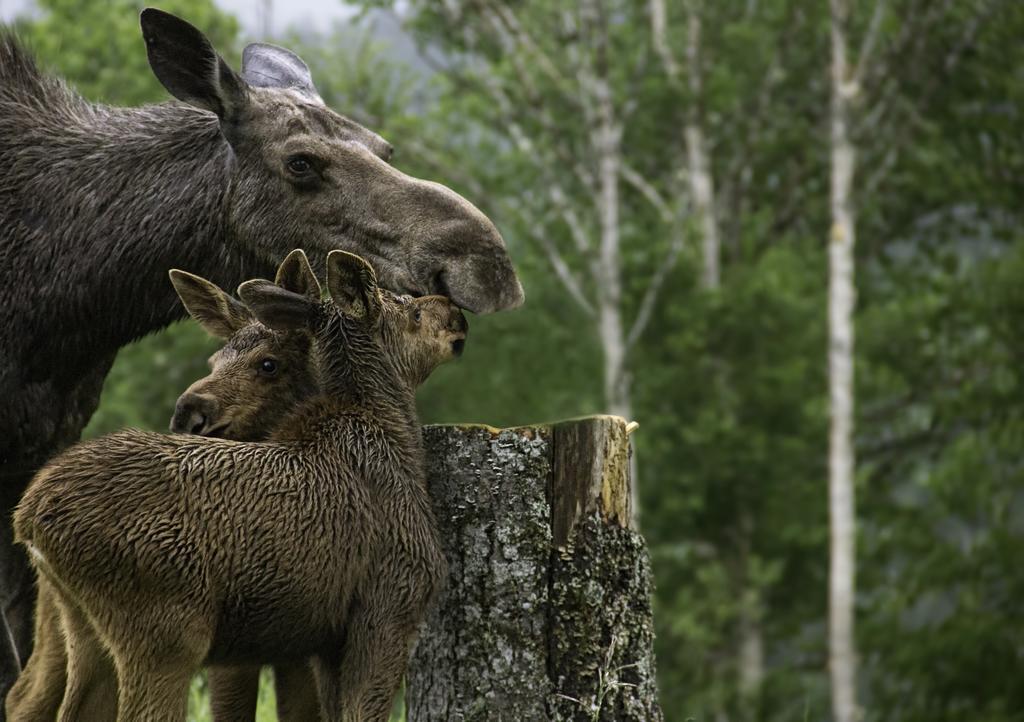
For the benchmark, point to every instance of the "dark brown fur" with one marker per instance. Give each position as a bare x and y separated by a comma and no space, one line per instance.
96,203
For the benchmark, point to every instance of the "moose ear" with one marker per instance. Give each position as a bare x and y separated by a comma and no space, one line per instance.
186,63
269,66
353,285
295,275
217,312
276,307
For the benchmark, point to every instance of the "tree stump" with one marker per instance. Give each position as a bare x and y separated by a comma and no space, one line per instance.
547,612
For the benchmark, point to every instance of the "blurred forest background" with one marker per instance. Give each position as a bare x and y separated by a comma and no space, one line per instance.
661,172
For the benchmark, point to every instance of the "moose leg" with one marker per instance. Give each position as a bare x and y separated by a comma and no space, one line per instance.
157,645
9,667
296,693
372,666
17,590
156,691
37,694
91,692
234,691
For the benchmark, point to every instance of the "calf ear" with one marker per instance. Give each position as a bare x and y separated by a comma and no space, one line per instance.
186,63
295,275
276,307
217,312
352,285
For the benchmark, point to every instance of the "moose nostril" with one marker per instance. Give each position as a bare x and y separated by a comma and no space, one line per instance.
439,285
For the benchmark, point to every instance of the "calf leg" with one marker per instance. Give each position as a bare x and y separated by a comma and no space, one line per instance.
296,693
157,646
37,694
370,671
234,691
155,693
91,691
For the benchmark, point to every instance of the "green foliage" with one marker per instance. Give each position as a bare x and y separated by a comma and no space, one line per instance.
98,45
148,377
732,436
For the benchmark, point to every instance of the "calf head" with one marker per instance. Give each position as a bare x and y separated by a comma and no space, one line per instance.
303,175
364,330
259,375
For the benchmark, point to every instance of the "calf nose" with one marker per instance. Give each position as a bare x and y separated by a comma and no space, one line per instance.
193,413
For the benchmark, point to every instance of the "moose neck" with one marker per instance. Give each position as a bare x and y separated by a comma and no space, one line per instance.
138,191
356,374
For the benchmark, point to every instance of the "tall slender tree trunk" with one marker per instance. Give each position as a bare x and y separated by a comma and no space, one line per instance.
702,186
700,176
842,650
698,164
266,18
751,630
606,139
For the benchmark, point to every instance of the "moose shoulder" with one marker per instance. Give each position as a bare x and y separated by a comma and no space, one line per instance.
96,203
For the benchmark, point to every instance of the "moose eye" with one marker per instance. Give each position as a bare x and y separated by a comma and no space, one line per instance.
268,367
417,315
299,165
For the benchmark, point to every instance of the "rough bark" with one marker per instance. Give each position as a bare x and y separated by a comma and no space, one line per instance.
842,297
547,612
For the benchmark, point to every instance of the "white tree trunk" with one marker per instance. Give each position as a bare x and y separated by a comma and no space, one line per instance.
751,630
702,187
842,296
751,656
606,139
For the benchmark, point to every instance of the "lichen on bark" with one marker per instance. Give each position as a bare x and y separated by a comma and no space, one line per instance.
547,611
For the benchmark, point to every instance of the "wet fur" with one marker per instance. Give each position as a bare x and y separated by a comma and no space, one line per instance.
319,542
86,681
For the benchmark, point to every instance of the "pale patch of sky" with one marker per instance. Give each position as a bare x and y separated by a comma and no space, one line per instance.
300,15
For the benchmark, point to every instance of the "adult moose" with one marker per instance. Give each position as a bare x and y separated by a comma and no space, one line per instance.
96,203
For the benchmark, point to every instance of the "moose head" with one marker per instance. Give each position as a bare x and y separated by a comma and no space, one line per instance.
303,175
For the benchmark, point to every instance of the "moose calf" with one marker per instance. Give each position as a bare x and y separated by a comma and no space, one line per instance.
258,377
320,542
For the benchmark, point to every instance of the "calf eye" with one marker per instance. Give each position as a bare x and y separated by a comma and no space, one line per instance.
268,367
417,315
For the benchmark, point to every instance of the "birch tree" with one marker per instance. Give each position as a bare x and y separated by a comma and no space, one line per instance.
701,184
867,102
698,166
842,649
